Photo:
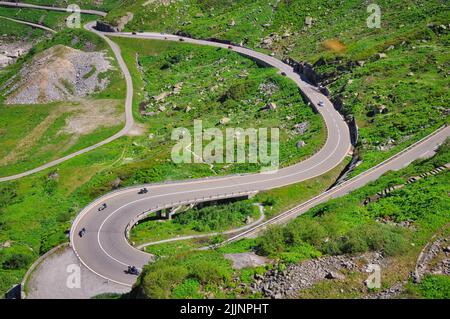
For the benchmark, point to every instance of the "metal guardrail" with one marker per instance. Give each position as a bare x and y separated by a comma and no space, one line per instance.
294,210
204,199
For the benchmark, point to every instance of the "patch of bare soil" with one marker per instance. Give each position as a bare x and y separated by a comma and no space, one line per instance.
60,74
334,45
137,130
85,117
92,114
244,260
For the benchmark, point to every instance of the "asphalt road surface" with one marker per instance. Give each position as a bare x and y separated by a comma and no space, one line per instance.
104,248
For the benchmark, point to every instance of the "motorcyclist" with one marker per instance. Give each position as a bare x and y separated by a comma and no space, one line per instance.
143,191
82,232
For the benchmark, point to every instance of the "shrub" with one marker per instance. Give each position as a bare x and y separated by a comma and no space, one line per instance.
16,261
187,289
161,277
299,252
209,271
269,201
211,218
307,230
433,287
272,242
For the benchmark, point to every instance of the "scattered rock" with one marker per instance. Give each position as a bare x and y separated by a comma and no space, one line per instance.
161,97
53,175
249,220
6,244
59,74
309,21
267,42
5,61
301,128
123,21
382,109
287,283
272,106
177,88
300,144
224,120
268,88
116,183
334,275
389,293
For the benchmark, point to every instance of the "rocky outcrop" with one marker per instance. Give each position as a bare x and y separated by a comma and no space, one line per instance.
10,51
301,128
286,284
434,259
120,24
59,74
296,277
105,27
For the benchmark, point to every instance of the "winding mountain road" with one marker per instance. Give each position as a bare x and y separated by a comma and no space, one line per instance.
35,6
104,248
31,24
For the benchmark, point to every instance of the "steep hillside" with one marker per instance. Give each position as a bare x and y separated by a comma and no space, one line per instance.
103,5
392,79
57,74
324,253
63,95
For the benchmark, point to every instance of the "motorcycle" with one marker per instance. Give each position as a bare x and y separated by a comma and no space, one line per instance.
132,270
143,191
82,232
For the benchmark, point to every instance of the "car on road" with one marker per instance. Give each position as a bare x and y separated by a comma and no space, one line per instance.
230,47
321,103
181,39
133,33
283,73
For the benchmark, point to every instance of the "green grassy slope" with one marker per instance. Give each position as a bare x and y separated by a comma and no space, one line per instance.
36,211
102,5
216,84
340,226
411,81
15,31
51,144
52,19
